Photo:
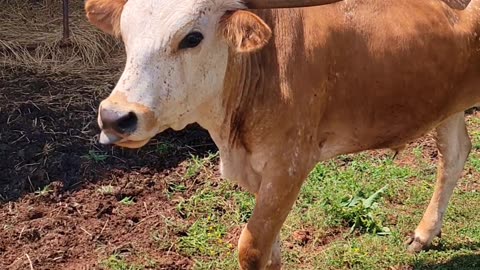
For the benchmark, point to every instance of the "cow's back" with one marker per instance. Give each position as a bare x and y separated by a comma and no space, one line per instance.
373,74
407,68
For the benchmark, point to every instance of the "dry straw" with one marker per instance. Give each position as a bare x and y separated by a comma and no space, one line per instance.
31,38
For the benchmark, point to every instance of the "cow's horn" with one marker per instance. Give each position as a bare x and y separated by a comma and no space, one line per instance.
266,4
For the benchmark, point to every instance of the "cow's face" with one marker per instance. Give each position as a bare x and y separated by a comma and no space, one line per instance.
177,54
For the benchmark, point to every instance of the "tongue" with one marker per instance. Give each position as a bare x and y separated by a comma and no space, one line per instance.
108,138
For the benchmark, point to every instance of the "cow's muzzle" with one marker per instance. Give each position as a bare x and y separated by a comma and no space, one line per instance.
125,123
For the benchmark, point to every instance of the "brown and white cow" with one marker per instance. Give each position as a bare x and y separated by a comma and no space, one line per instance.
282,89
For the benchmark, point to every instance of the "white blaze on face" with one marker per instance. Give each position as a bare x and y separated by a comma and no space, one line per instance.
158,75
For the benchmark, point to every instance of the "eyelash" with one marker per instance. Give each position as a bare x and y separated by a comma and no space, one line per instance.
191,40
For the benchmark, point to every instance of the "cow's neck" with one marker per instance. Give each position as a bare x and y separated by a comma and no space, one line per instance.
253,92
233,117
258,97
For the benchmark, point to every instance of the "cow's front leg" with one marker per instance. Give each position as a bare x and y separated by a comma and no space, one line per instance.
453,147
259,244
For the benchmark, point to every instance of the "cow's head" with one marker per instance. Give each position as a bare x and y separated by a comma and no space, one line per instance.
177,54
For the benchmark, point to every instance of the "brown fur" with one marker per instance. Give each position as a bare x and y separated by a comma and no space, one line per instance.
246,248
414,82
105,14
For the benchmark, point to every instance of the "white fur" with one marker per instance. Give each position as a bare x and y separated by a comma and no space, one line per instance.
176,84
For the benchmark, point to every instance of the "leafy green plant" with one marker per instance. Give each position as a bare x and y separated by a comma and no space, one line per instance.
44,191
358,212
96,156
164,148
127,201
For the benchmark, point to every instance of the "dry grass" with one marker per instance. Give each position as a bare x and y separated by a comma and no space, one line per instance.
31,38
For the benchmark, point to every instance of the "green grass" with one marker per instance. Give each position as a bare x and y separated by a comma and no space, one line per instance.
116,262
335,196
127,201
165,148
95,156
44,191
197,164
216,209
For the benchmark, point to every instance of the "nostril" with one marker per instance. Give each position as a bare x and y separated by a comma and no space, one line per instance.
127,123
121,122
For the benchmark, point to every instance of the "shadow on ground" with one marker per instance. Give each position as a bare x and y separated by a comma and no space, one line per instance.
459,262
48,133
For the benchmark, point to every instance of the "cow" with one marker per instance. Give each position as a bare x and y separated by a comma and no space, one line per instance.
283,85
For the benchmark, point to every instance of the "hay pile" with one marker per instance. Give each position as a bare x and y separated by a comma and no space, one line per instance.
31,38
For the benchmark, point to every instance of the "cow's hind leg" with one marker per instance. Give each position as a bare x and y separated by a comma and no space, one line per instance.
454,146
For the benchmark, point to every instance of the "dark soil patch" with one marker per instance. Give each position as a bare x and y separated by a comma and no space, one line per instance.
48,133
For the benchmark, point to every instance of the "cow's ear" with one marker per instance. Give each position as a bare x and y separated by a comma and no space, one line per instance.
244,31
105,14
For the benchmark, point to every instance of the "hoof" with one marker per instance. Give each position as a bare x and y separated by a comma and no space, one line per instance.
415,245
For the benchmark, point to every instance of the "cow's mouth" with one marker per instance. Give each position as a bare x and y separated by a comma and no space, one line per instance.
112,138
132,144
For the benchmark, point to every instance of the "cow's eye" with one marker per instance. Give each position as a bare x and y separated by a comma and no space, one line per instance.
191,40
